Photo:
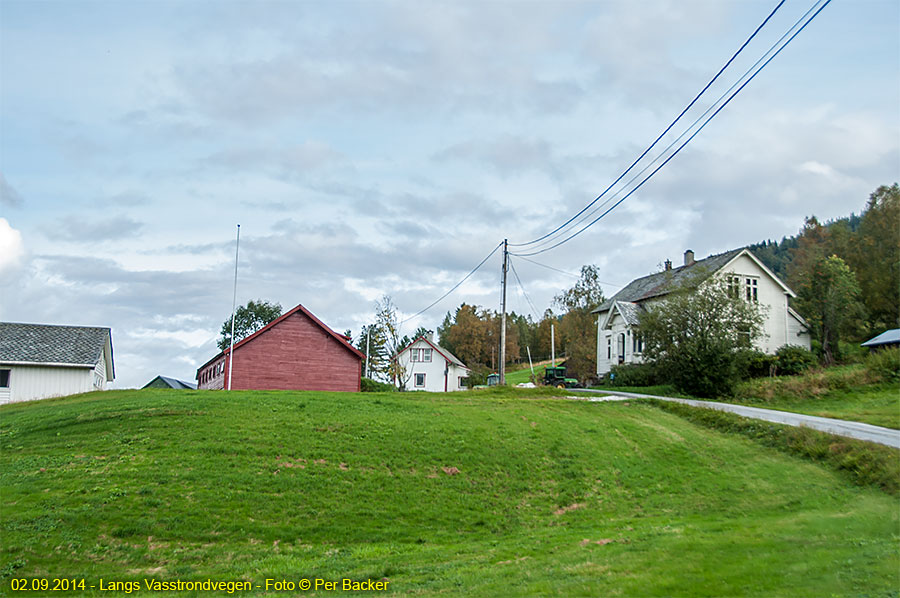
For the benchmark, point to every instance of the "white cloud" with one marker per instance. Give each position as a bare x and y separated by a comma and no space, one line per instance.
12,248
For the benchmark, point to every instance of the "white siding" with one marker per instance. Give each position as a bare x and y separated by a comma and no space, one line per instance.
27,383
435,371
779,327
771,296
797,333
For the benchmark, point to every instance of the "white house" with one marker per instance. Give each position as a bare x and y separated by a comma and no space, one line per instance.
618,334
431,367
38,361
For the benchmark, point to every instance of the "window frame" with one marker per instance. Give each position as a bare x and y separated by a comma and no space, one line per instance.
8,372
416,380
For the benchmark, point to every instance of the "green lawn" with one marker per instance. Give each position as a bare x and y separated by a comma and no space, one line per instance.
490,493
876,404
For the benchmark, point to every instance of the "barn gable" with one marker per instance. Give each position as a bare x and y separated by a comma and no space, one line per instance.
294,352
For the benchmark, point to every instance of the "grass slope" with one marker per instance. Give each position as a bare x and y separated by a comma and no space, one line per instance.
482,493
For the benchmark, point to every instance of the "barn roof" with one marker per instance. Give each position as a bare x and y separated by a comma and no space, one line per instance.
888,337
172,383
53,345
340,338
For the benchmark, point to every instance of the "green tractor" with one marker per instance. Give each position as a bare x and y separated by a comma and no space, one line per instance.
556,376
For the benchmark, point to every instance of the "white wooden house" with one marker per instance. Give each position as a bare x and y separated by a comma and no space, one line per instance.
618,333
39,361
430,367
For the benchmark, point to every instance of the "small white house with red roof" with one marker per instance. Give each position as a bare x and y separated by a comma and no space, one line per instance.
295,352
430,367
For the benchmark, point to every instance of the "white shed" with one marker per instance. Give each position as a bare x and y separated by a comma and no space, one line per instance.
38,361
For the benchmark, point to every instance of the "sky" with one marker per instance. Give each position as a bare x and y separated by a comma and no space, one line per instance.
385,148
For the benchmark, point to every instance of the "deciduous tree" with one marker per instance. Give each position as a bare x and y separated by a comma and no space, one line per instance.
247,320
694,336
828,297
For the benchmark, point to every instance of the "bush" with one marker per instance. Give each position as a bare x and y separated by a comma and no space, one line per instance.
885,364
633,374
478,375
751,363
792,360
369,385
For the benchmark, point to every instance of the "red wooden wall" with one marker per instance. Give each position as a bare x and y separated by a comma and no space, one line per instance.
295,354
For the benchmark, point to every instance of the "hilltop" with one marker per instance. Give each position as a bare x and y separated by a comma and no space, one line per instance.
498,492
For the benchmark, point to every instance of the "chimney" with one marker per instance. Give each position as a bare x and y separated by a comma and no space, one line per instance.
429,336
668,265
688,257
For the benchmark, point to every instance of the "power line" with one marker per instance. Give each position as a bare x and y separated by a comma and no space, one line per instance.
442,297
522,287
606,282
688,130
675,153
661,135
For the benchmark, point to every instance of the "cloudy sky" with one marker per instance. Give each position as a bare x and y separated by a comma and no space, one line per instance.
371,148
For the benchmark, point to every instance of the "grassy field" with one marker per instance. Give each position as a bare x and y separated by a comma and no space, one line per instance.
486,493
842,392
523,374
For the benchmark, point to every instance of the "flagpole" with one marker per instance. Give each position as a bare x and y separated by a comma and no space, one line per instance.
237,248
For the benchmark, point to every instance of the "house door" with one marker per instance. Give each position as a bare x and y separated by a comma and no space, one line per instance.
622,347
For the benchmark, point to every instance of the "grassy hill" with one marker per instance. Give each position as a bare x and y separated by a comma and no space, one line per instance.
486,493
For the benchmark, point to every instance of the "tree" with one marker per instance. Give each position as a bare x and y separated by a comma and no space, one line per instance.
389,327
247,320
694,335
372,340
577,328
828,297
877,258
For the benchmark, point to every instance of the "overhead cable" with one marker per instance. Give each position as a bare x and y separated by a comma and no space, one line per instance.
661,135
663,153
441,298
675,153
522,287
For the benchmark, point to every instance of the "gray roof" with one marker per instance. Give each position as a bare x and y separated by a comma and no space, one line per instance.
888,337
173,383
43,343
663,283
630,311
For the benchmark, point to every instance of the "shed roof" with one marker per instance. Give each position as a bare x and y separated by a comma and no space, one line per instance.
53,345
888,337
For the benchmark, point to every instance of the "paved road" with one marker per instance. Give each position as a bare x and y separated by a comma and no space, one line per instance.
840,427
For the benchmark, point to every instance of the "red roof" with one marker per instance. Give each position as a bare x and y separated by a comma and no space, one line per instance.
340,338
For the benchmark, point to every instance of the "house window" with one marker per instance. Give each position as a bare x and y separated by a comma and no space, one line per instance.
463,382
420,380
734,286
622,347
752,284
4,378
608,348
637,343
423,355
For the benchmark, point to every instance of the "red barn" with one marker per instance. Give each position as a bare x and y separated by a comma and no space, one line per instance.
295,352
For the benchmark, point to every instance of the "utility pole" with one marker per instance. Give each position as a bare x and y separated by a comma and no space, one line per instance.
503,317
